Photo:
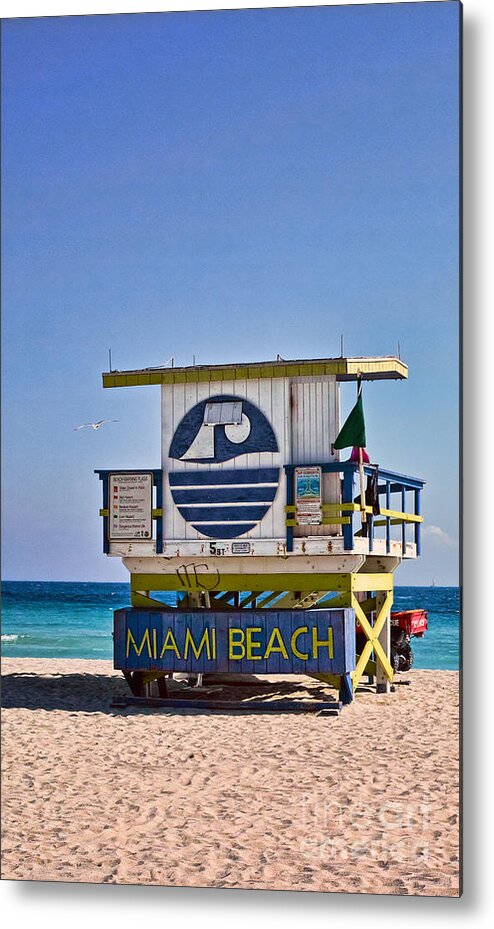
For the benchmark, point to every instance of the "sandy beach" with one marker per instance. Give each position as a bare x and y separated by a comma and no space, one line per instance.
365,803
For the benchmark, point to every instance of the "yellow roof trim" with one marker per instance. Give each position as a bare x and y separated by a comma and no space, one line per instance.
344,369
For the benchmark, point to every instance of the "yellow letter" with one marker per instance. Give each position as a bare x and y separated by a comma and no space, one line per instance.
293,642
316,643
276,634
172,646
197,650
250,644
131,641
232,644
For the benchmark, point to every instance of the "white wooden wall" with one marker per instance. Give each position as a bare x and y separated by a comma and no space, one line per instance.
269,395
315,416
315,419
304,414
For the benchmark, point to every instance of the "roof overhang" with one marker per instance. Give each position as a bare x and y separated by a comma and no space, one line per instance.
344,369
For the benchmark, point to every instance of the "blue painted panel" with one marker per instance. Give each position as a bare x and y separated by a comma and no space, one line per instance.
260,437
198,492
350,641
222,513
210,640
301,642
119,638
223,530
221,642
225,495
230,476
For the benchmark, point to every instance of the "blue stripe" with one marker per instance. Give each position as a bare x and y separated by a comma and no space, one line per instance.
245,476
215,531
222,513
226,495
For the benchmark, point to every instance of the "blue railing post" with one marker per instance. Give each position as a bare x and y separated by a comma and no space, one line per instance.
289,502
348,491
106,503
388,519
417,525
158,480
403,524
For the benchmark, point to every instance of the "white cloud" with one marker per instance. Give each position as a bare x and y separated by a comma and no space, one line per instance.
441,536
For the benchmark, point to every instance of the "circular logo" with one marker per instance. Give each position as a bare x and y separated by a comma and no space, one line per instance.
219,502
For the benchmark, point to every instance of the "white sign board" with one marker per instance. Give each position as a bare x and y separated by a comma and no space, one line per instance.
130,505
308,496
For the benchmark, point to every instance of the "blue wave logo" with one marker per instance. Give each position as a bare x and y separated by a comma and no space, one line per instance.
223,504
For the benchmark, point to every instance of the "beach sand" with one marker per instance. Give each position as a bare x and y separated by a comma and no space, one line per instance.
364,803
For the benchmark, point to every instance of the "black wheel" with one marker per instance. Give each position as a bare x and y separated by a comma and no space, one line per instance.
406,658
395,659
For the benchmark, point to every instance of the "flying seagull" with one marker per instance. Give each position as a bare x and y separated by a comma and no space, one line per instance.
97,425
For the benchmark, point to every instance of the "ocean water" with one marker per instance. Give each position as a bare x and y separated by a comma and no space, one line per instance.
70,620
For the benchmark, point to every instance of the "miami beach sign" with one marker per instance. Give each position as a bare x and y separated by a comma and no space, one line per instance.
256,641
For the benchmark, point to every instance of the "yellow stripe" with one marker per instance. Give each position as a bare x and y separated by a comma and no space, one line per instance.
402,517
355,508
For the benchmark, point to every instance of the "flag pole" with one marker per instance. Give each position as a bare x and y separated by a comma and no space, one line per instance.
362,482
361,466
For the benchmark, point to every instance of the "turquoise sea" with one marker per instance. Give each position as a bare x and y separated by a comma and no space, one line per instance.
71,620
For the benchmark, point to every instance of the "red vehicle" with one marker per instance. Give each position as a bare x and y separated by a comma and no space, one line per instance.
404,626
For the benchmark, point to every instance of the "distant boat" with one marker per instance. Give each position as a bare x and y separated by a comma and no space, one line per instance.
433,583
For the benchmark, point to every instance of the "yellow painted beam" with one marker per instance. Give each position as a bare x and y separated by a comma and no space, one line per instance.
402,517
342,600
362,581
325,521
332,679
361,664
186,579
373,643
141,598
342,368
356,508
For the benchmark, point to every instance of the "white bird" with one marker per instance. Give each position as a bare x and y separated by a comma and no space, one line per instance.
97,425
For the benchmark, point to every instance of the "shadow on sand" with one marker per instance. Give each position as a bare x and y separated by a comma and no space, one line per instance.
95,693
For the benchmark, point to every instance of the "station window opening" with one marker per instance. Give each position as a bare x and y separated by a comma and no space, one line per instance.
224,413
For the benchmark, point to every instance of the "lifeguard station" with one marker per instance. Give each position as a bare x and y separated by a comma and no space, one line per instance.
257,529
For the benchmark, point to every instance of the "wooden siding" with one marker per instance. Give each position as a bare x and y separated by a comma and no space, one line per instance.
315,412
207,641
272,398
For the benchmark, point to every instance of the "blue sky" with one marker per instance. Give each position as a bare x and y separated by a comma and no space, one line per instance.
227,185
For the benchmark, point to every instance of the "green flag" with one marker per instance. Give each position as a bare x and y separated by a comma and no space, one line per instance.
352,432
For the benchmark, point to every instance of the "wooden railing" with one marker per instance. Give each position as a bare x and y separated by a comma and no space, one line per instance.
344,513
156,512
